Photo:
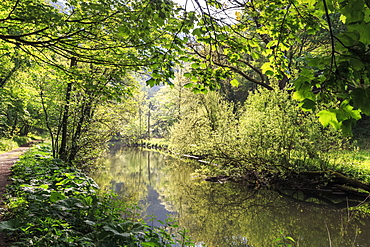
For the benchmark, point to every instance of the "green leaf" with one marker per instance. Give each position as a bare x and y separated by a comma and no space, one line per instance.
149,244
151,82
188,85
347,126
361,99
301,95
308,104
234,83
327,117
195,65
56,196
10,225
266,67
44,186
350,112
290,238
197,32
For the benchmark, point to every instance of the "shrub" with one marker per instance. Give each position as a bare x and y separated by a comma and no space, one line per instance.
7,145
208,117
269,132
21,140
52,204
274,130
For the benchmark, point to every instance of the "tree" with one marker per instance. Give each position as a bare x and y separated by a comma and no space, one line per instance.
92,32
89,48
320,48
82,114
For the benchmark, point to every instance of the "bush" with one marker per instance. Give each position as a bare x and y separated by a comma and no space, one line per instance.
208,117
52,204
21,140
7,145
275,131
270,132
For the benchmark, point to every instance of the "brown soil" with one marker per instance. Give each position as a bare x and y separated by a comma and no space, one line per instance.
6,162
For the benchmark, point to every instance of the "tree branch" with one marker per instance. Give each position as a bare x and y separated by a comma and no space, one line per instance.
236,70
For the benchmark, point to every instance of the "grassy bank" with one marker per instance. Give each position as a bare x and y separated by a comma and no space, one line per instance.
7,144
52,204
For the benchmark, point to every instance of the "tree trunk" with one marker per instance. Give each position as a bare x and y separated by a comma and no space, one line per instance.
64,135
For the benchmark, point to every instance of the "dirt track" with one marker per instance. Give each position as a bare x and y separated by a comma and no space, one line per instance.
6,162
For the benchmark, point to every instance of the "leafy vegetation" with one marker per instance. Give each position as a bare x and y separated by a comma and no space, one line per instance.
269,131
52,204
316,47
7,145
69,62
281,76
270,141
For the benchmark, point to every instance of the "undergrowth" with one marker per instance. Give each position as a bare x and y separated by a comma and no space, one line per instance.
52,204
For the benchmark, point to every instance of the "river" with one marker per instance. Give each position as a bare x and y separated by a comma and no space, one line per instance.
226,214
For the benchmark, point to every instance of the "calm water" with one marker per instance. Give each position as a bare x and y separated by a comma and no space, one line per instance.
225,214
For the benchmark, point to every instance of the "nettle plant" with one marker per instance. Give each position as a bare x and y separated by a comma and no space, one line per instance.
52,204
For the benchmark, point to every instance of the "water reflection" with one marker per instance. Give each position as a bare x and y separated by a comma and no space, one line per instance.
225,214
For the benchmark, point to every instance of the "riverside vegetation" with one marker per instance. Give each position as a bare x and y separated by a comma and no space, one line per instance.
287,81
271,142
52,204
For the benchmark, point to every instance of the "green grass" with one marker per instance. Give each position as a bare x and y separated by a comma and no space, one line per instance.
354,163
7,145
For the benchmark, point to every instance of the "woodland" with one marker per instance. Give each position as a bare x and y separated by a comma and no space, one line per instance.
275,93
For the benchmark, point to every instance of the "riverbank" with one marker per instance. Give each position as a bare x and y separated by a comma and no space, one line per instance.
60,205
345,177
222,213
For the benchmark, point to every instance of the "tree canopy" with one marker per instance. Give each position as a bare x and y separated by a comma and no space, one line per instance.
123,34
75,56
319,49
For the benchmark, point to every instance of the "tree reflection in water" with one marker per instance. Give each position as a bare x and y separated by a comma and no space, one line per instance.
227,214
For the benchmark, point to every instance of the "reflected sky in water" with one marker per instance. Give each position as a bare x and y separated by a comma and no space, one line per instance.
225,214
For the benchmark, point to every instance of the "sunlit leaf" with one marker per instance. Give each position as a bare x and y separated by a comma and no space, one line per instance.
234,83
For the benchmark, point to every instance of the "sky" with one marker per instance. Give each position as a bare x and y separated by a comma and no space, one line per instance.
190,3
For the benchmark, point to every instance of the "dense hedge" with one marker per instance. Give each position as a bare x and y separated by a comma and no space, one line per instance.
52,204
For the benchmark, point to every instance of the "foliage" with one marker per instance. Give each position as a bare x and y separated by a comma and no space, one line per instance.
271,132
75,57
92,32
53,204
19,109
246,216
274,128
91,111
319,48
204,118
7,144
284,241
21,140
